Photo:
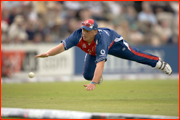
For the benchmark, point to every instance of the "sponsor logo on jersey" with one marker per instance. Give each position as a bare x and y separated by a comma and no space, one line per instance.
84,46
89,51
102,52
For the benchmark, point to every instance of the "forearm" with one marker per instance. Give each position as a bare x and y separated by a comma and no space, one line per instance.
98,71
56,50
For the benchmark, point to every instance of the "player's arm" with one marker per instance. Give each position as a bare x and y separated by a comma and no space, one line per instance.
97,75
69,42
98,71
54,51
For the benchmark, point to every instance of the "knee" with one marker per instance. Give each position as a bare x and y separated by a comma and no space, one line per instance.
87,76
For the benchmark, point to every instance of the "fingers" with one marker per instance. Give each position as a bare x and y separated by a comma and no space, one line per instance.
36,56
89,87
42,55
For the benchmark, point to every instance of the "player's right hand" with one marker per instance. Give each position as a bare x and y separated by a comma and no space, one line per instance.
43,55
90,87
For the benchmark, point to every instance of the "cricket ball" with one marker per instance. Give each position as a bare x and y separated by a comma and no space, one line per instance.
31,74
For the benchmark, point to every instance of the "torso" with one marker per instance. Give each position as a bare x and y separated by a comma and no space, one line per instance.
89,48
99,46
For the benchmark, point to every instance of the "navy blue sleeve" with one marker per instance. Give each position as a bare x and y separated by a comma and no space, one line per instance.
101,50
72,40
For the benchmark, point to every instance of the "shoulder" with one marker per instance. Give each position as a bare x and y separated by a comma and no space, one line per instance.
103,28
76,35
77,32
101,32
105,33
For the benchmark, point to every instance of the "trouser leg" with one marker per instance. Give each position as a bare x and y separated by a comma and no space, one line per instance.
123,50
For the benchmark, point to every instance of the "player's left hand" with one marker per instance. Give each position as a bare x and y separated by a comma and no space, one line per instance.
90,86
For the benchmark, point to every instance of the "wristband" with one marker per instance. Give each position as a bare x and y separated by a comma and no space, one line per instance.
93,83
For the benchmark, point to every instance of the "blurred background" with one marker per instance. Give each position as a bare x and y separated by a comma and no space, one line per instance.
32,27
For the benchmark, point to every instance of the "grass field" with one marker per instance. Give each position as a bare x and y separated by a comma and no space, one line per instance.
153,97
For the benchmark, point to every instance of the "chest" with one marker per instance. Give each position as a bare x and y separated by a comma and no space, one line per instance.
89,48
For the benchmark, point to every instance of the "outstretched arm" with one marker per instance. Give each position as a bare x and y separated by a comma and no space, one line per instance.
97,75
54,51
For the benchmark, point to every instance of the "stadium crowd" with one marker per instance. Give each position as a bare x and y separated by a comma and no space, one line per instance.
140,23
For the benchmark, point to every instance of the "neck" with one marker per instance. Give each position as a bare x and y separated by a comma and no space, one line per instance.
89,41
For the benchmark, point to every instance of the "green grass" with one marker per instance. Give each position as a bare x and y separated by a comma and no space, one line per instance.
153,97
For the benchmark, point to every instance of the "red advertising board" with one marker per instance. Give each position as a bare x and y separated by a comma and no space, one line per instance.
11,62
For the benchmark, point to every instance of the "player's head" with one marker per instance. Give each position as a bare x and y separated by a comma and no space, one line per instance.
89,25
89,30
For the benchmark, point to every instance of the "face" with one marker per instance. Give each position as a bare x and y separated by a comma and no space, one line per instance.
88,35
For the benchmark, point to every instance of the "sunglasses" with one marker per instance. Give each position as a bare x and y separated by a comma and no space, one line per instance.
87,24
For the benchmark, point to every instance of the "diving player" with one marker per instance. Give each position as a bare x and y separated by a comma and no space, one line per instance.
98,43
